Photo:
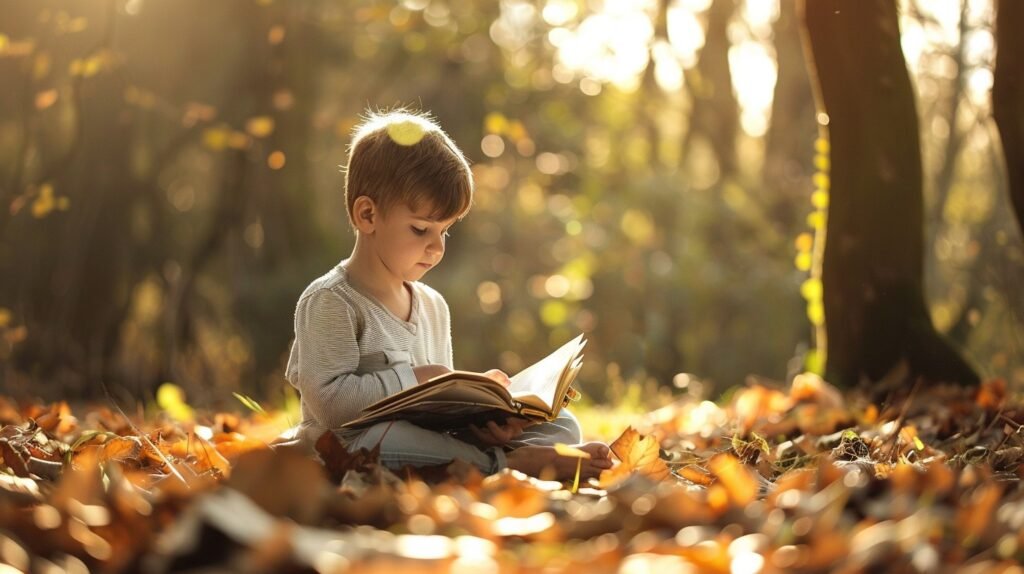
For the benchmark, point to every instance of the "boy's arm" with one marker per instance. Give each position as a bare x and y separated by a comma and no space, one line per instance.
446,334
328,356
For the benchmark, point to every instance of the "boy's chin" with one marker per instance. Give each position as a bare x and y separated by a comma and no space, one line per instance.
417,273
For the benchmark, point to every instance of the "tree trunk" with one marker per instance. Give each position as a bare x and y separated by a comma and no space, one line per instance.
875,311
1008,96
715,111
789,142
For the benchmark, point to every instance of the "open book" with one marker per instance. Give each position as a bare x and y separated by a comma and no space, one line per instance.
459,398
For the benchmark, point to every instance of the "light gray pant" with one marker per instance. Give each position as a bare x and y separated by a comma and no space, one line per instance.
403,443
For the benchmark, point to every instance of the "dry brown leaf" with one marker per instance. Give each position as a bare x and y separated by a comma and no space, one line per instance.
738,480
338,460
991,394
637,453
757,403
696,475
614,475
57,419
233,445
121,449
818,420
812,388
200,454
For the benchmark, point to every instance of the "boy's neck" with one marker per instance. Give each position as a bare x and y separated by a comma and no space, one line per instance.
370,275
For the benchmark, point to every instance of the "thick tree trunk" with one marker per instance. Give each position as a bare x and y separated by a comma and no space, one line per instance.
875,311
1008,96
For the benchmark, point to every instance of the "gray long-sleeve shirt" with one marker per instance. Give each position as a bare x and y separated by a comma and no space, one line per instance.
350,351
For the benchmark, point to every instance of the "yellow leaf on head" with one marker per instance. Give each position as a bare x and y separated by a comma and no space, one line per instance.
406,133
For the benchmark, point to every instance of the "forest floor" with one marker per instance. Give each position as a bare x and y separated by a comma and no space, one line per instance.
801,478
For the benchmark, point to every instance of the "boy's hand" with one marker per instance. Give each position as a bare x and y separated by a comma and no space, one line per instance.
494,434
541,460
499,376
426,372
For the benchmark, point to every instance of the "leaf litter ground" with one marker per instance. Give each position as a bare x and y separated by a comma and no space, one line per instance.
797,479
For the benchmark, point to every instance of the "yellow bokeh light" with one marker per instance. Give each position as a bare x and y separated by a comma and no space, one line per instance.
804,242
276,160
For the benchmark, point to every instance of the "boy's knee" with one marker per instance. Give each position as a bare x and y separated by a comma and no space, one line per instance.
571,424
405,444
384,434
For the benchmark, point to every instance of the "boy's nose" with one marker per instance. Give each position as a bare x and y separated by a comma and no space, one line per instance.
436,245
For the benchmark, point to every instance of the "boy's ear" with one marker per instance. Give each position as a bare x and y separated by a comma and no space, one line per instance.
365,214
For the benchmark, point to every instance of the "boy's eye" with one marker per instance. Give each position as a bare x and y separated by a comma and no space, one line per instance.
418,231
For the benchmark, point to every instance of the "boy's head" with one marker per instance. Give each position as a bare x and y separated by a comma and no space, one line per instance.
404,158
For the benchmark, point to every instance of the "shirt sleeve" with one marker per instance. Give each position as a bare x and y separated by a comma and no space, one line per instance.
326,354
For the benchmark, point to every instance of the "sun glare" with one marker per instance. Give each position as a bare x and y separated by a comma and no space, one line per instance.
612,45
615,42
685,33
939,32
753,75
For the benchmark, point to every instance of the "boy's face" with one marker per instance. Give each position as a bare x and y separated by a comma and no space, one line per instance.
409,242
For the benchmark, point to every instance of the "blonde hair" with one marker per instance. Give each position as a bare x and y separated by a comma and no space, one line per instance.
404,157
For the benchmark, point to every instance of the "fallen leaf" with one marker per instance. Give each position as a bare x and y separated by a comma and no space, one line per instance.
738,480
991,394
121,449
758,403
338,460
638,454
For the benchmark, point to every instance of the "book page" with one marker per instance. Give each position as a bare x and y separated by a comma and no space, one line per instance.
540,381
540,388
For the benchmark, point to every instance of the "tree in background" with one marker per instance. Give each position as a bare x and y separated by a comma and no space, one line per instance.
872,271
1008,96
636,180
140,160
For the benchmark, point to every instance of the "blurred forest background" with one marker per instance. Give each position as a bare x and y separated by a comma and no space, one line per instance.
648,172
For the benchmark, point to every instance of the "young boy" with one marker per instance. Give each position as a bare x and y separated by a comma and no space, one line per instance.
368,328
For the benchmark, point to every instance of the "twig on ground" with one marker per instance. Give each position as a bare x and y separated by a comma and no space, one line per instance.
900,419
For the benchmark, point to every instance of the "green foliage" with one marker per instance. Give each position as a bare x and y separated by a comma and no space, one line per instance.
249,403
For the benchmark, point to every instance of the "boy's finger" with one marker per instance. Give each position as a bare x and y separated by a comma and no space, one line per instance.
497,431
481,434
